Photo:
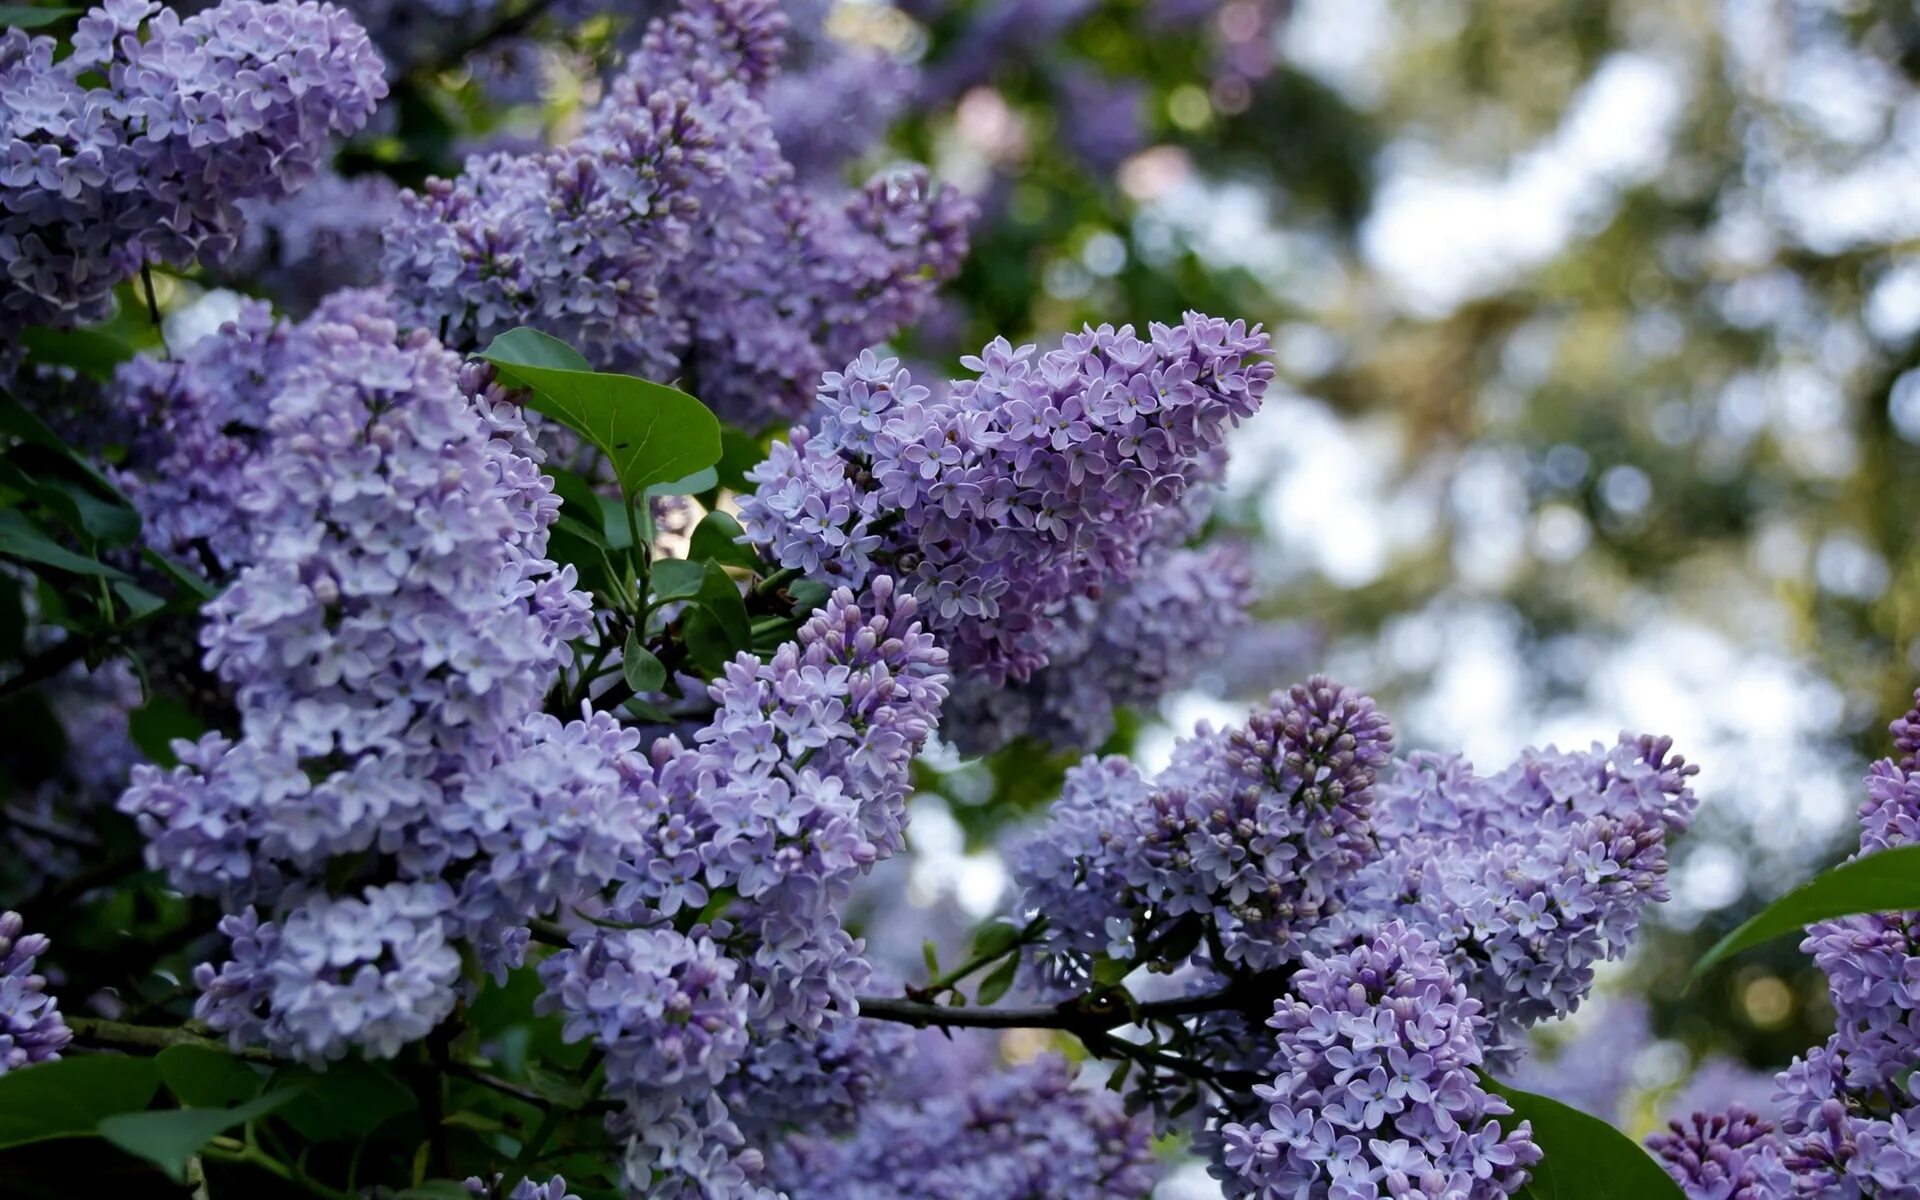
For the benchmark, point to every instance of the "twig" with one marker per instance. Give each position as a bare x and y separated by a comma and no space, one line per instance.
150,1039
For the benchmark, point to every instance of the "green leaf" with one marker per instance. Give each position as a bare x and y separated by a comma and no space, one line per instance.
650,433
994,939
155,725
88,351
347,1101
20,16
644,673
720,596
21,539
702,480
17,421
995,985
739,453
930,954
676,579
435,1189
1585,1158
1107,972
168,1139
1888,881
70,1097
717,539
204,1077
557,1088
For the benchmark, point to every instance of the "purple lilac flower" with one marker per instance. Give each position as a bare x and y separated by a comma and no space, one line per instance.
1250,833
663,1006
796,786
139,146
1374,1090
303,247
1730,1156
31,1028
1038,482
1850,1121
1528,878
527,1189
1007,1135
393,613
1135,644
371,973
837,107
198,422
670,240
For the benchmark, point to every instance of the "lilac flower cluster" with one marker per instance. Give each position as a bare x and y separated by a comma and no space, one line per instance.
1850,1119
373,972
138,146
1374,1090
1007,1135
669,239
31,1028
664,1007
1036,483
1251,833
796,786
527,1189
1134,645
303,247
389,635
1727,1156
1528,878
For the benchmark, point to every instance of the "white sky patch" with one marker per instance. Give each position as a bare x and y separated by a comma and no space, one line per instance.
1441,235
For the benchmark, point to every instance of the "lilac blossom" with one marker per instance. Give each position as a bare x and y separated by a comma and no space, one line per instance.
670,240
1035,483
1526,879
139,146
1251,833
1375,1092
1730,1156
371,973
527,1189
302,247
1005,1135
31,1027
1134,645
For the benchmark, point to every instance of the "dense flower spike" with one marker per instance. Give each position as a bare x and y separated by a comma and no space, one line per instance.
670,240
373,973
138,147
1528,878
527,1189
393,614
301,248
662,1005
1134,645
31,1028
1729,1157
1251,834
1024,1132
1374,1091
1850,1120
1036,483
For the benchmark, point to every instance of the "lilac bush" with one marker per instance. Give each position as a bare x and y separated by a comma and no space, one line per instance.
540,737
138,147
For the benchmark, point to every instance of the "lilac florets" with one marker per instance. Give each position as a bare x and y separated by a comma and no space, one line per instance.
31,1027
1727,1156
371,973
1035,483
1008,1135
670,240
1374,1091
1251,833
1529,878
138,147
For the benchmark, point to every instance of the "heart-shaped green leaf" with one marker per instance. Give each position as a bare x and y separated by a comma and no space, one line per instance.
1888,881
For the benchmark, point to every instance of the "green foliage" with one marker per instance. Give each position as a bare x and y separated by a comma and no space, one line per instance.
1586,1158
171,1137
651,434
71,1097
1888,881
